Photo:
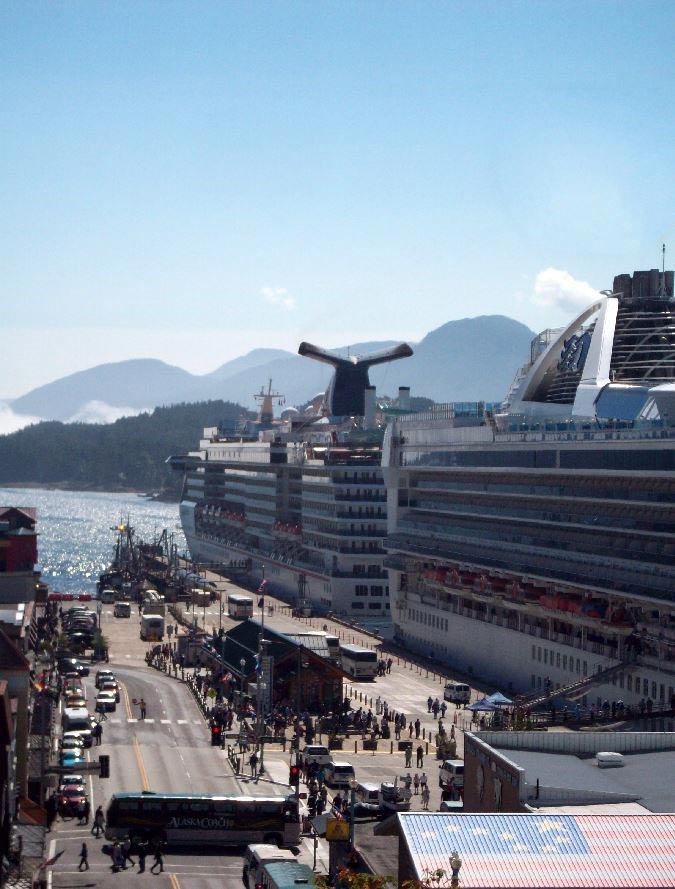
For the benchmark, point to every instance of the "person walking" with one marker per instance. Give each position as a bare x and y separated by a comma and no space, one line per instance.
253,762
430,701
416,783
98,733
424,781
142,853
418,728
84,858
117,858
126,851
425,797
408,756
420,756
157,862
99,821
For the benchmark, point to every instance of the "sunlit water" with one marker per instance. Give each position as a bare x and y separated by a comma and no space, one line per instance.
75,540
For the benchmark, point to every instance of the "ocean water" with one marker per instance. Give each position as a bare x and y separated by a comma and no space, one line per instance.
75,541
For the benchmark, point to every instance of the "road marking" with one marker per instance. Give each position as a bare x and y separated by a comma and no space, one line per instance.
127,703
197,722
116,721
174,881
132,719
165,721
141,765
181,722
148,721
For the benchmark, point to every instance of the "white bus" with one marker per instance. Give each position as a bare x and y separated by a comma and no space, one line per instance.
202,819
152,627
239,607
359,662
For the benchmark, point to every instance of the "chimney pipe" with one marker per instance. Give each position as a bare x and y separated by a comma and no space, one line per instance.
369,408
404,398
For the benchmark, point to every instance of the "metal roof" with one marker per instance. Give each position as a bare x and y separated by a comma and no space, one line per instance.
594,851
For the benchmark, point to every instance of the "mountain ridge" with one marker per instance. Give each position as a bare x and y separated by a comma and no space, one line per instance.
468,359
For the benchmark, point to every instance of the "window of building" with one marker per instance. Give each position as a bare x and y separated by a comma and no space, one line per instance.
557,659
538,653
376,591
564,662
629,683
357,606
375,606
534,652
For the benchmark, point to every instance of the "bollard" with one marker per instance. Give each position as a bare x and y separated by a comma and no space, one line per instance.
356,746
391,751
424,733
427,753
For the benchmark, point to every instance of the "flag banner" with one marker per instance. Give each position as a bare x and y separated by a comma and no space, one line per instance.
262,587
50,861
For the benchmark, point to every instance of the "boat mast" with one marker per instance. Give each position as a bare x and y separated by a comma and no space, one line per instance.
265,398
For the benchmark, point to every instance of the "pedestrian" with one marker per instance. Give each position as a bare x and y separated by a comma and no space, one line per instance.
117,858
423,781
98,733
87,811
425,797
126,852
253,762
84,858
430,701
158,862
51,811
420,756
418,727
97,826
142,852
416,783
141,704
411,729
389,663
408,756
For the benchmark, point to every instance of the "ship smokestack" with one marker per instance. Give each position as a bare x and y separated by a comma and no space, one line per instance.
404,398
369,408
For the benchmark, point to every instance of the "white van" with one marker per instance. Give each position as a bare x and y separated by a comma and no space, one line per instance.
457,692
368,793
258,854
122,609
339,774
451,774
108,596
77,719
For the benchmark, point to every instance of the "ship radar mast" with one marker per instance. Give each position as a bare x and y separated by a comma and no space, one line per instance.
266,399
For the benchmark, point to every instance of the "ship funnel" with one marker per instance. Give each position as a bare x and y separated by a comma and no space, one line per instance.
404,398
369,408
345,394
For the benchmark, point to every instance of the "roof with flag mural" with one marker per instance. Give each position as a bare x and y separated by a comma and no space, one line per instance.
595,851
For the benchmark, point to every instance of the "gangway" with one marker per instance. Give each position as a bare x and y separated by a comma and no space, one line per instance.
574,690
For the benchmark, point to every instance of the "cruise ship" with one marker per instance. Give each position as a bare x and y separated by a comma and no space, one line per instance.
300,500
532,542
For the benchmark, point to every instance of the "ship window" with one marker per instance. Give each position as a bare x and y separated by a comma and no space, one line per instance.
629,683
645,687
376,591
534,652
375,606
534,680
538,653
545,656
653,691
578,666
564,665
357,606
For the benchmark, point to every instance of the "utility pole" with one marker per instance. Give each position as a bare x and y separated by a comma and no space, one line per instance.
260,684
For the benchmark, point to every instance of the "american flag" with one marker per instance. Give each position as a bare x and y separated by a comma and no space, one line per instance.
542,851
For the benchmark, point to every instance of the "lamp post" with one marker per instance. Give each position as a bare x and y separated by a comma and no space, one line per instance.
455,864
242,664
353,784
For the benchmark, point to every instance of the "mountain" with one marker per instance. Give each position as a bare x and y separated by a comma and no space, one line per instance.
467,360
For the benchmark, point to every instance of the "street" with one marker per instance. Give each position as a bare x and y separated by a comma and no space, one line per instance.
170,751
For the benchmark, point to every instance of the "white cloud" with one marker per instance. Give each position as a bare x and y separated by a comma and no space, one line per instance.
278,296
11,422
100,412
555,288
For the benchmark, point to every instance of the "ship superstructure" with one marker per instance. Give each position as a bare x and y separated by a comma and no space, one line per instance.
300,500
533,542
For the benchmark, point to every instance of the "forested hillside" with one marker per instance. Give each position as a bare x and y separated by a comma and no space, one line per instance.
129,454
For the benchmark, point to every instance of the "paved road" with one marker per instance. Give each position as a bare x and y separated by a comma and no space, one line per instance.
170,750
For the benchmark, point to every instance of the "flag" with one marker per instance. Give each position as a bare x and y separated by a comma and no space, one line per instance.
262,587
50,861
258,665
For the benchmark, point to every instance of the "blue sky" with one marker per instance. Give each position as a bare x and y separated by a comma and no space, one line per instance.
191,180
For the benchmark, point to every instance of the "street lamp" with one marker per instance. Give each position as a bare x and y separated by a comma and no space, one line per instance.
242,664
353,784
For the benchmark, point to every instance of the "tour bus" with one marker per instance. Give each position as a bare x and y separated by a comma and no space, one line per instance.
360,663
239,607
152,627
202,820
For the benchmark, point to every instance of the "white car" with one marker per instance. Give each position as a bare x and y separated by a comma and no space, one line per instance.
316,753
105,702
72,743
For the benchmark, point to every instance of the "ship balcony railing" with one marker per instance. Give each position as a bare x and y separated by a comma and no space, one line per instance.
360,482
360,575
339,532
359,498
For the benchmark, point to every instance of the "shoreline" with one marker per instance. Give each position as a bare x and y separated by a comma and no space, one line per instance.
159,496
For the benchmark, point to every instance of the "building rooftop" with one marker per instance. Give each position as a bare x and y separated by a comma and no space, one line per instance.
599,851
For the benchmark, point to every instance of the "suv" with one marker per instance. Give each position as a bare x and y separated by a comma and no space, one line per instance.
103,676
451,774
316,753
339,774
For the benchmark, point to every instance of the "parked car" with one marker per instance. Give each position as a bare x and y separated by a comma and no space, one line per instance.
84,736
72,743
103,676
75,700
72,665
339,774
71,759
451,774
72,779
112,686
69,799
105,702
